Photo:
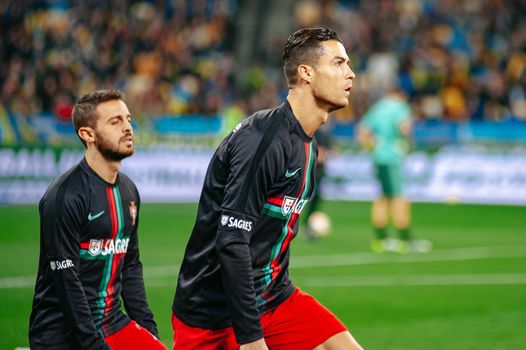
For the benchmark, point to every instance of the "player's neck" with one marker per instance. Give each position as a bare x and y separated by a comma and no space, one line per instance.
106,169
310,115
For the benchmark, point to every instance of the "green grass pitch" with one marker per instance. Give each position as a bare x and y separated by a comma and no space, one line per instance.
469,292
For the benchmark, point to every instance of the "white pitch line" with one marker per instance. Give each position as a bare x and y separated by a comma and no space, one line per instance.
350,259
17,282
434,256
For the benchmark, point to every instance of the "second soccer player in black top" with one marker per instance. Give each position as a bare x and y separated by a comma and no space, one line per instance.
89,249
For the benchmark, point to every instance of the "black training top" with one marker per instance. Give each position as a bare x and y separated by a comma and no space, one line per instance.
236,262
89,258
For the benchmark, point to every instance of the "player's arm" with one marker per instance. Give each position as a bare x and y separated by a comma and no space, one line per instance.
365,137
405,127
251,174
133,291
60,225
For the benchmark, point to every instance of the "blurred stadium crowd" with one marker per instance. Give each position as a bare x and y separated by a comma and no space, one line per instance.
457,60
168,58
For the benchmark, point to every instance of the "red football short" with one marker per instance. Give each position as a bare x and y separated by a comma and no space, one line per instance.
134,337
299,323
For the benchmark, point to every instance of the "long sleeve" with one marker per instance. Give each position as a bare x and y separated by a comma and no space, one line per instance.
60,227
133,291
252,169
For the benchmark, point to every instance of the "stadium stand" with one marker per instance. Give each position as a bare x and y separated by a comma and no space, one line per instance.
458,62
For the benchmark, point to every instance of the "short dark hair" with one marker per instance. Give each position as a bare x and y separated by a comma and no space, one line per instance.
303,47
85,109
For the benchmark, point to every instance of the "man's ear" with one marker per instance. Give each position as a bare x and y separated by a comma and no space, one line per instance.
87,134
305,72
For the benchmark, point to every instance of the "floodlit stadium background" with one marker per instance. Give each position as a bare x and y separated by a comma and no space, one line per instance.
192,69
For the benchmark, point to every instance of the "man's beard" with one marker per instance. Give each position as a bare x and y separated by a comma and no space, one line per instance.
110,152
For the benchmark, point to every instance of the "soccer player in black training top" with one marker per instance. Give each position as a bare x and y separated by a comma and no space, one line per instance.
89,255
234,290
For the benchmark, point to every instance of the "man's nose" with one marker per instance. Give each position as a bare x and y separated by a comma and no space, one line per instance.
128,125
350,74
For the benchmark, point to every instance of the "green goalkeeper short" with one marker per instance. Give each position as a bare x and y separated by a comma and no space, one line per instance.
391,180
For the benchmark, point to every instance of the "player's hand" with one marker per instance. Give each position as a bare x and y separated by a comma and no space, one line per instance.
256,345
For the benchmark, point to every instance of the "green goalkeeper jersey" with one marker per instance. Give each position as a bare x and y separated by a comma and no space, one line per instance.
383,120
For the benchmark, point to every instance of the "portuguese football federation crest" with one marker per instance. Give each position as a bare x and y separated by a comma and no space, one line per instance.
95,246
133,211
287,205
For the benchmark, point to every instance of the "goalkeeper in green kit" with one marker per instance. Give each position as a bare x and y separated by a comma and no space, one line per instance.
385,131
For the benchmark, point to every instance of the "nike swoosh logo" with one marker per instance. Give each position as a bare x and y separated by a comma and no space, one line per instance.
93,217
291,174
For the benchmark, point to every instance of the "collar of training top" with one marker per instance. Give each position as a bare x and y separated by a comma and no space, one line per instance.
85,166
287,109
